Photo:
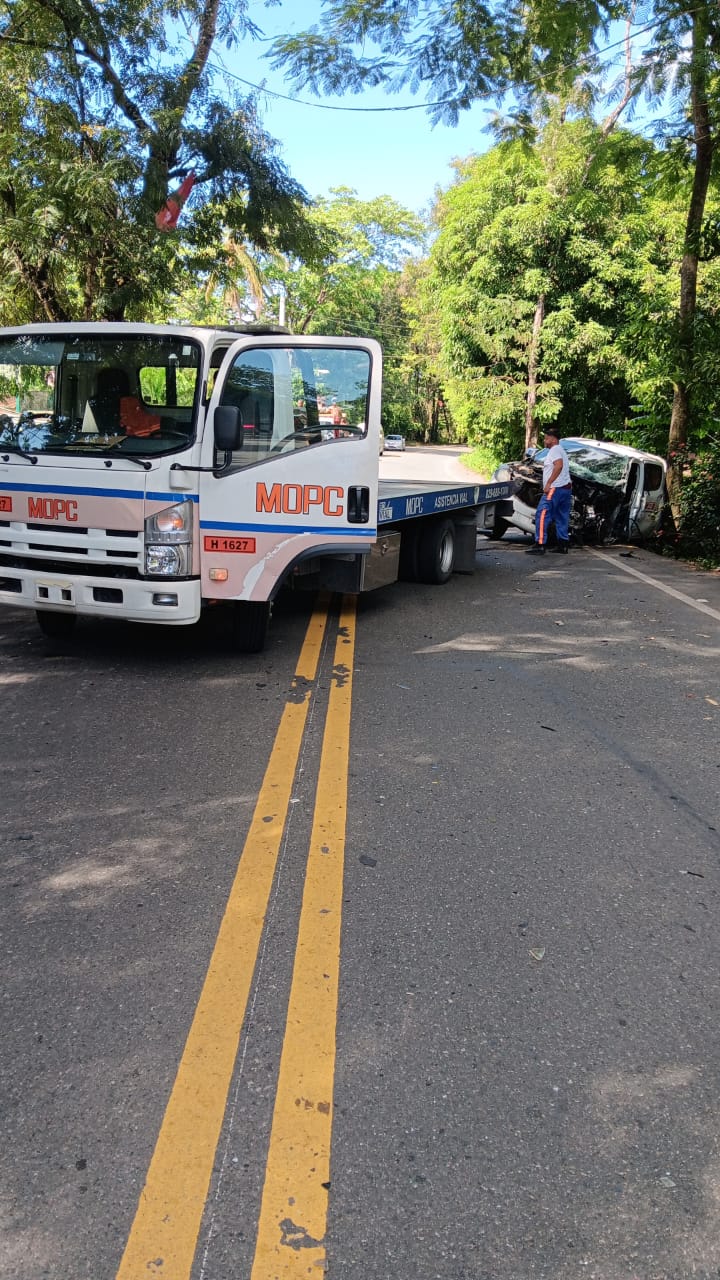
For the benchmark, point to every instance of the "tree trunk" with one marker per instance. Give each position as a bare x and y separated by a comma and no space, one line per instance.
531,433
680,417
40,284
434,420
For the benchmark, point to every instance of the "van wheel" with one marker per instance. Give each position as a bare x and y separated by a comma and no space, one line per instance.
249,625
55,626
436,552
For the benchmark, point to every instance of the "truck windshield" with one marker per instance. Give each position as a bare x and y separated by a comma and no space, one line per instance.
97,394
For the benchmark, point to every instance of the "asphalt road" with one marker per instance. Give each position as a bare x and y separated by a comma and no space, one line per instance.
523,1057
423,462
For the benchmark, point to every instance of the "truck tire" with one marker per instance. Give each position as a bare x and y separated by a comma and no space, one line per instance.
499,529
436,552
249,622
55,626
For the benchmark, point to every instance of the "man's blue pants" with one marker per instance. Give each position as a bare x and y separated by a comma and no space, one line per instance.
553,508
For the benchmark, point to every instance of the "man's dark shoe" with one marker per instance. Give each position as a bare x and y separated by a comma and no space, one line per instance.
561,548
535,550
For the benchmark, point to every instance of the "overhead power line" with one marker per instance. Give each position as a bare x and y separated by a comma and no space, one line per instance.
413,106
327,106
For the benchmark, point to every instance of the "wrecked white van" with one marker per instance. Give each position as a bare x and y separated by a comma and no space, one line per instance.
618,492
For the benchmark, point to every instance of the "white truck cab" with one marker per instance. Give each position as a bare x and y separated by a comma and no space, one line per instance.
147,471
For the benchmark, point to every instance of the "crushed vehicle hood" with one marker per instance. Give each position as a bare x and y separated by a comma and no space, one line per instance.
602,505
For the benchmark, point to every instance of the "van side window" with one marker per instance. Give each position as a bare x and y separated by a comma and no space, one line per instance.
653,476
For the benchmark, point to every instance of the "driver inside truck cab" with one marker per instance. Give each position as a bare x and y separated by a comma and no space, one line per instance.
117,411
136,421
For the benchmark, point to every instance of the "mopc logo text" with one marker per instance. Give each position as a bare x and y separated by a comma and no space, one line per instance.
299,499
53,509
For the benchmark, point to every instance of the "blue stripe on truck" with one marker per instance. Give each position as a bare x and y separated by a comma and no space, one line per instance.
86,491
409,506
342,531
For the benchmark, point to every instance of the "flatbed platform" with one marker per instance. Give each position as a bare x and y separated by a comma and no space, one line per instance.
411,499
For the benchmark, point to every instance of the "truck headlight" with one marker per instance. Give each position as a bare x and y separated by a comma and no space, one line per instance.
168,542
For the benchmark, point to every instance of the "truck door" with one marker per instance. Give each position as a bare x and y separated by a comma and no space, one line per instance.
304,478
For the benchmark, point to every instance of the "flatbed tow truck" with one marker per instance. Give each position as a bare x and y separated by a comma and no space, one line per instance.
148,472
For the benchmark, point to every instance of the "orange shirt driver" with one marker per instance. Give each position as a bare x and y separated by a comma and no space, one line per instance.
136,421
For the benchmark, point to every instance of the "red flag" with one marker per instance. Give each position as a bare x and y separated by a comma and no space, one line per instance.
166,219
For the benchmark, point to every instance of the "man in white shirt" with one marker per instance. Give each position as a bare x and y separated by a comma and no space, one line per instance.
556,501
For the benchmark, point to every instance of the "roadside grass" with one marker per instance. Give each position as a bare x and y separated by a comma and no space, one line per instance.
482,460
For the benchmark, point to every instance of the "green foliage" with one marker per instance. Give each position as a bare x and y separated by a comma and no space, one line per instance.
355,288
104,111
699,537
419,366
482,460
466,51
458,53
364,244
589,226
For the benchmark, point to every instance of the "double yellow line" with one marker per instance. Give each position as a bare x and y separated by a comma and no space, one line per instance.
293,1215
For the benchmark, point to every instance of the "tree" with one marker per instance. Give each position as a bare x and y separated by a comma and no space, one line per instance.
356,287
421,361
105,110
366,243
523,232
695,29
462,52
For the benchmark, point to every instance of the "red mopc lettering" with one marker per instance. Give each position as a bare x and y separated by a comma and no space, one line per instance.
53,509
5,504
268,501
298,499
292,499
332,501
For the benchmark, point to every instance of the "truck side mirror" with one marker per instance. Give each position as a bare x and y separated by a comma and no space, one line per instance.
227,428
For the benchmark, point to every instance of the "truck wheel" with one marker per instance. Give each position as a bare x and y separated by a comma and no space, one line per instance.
436,552
55,626
249,622
499,529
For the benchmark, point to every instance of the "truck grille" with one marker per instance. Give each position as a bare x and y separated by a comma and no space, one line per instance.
115,553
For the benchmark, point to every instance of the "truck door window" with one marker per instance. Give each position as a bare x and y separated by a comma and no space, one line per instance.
293,398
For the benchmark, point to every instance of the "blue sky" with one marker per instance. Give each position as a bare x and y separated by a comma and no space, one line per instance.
394,153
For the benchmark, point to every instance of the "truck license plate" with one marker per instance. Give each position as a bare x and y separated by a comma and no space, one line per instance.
242,546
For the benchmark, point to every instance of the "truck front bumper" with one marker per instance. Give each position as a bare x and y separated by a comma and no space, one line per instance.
165,601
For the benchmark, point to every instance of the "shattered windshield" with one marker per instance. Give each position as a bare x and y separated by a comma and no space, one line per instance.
132,394
587,462
595,464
